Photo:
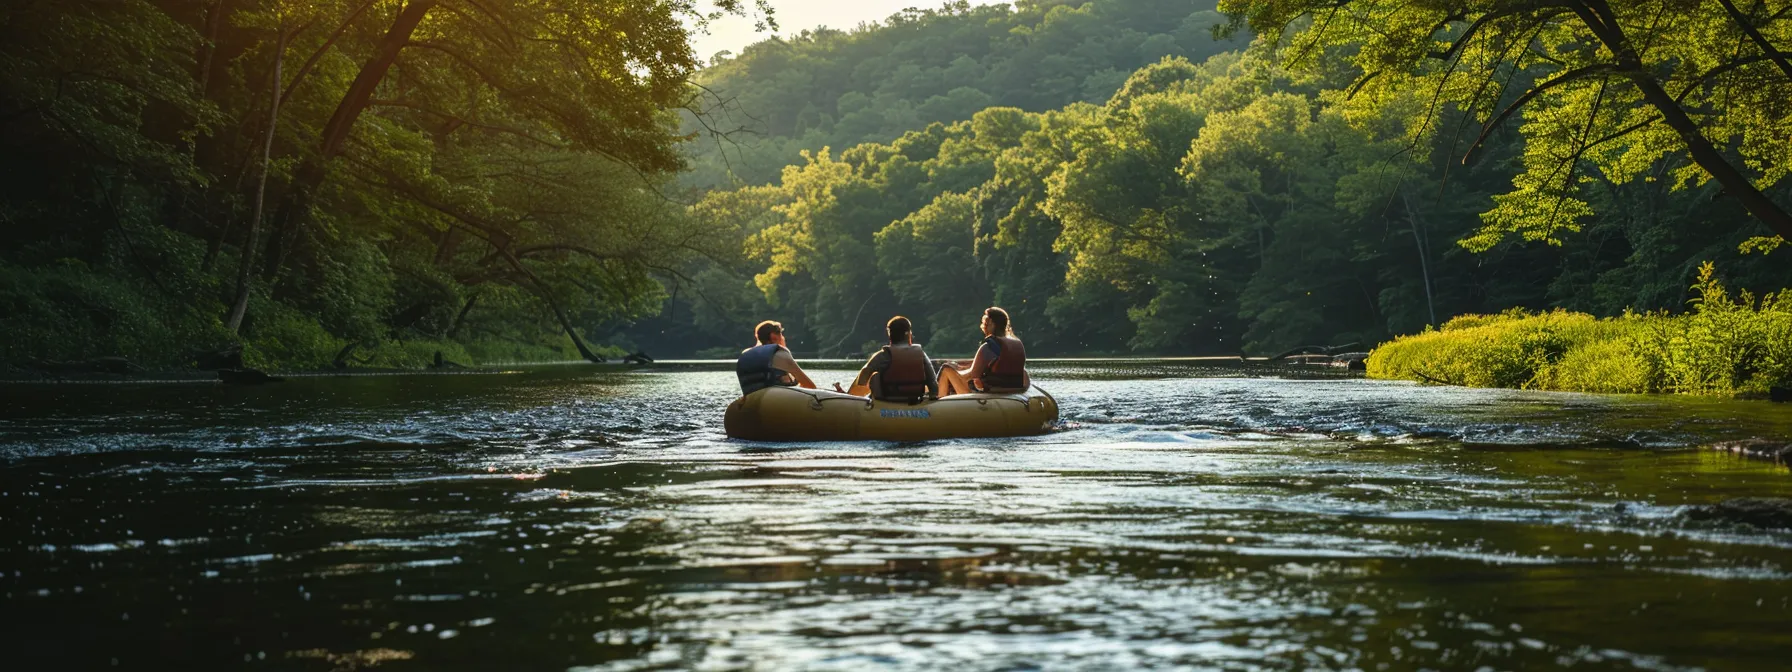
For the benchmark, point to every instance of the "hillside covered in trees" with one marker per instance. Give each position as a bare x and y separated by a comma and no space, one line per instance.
1252,200
370,182
839,88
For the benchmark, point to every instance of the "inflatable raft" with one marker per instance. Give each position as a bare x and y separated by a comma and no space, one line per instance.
797,414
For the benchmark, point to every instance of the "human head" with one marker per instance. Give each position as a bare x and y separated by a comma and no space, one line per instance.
995,322
769,332
901,330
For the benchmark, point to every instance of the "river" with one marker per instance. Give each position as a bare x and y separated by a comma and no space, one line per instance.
561,518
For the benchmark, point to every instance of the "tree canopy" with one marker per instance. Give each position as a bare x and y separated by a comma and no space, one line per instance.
373,181
404,171
1690,92
1310,189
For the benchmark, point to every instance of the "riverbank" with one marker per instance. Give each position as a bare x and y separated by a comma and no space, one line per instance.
1209,366
1725,346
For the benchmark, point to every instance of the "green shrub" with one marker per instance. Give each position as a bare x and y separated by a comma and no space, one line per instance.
66,310
1610,365
1724,346
277,337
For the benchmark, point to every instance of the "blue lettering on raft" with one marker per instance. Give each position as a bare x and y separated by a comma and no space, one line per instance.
905,413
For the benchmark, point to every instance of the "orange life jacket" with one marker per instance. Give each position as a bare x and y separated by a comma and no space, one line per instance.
1009,371
906,379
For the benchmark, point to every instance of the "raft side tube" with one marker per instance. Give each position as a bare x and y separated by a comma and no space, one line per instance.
798,414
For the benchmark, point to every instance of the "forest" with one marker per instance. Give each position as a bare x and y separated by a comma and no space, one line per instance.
340,182
377,181
1254,199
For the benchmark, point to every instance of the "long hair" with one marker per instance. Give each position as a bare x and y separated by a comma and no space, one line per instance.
999,318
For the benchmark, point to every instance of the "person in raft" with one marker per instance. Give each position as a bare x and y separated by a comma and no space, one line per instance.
899,371
770,363
1000,366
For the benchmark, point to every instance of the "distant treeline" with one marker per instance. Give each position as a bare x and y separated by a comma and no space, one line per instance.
838,88
1234,204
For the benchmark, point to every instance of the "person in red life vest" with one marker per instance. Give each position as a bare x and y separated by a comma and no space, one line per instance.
1000,366
770,363
899,371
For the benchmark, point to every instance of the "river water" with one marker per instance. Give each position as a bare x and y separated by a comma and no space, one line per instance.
564,518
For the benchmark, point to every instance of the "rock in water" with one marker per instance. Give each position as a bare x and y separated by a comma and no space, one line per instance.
1760,449
246,377
1765,512
638,358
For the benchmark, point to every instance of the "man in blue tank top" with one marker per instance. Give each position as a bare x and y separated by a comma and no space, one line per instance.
769,364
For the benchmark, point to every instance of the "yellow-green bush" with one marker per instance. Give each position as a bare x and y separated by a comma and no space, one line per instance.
1724,346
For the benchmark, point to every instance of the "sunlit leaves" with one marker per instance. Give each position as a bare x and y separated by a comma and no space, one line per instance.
1586,116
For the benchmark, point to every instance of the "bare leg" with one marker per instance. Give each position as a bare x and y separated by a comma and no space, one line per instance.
953,382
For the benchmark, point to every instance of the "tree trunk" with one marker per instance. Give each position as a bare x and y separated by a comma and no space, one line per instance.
1412,217
246,265
547,296
1594,13
445,246
295,208
1712,160
208,50
461,319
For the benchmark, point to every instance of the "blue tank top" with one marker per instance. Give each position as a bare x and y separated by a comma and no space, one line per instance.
755,371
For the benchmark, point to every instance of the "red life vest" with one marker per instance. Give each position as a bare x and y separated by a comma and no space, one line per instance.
1009,371
906,379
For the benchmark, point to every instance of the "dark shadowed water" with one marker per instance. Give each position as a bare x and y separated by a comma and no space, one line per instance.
565,518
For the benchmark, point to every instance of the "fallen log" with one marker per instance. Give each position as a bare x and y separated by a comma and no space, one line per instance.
1763,512
1327,350
1757,448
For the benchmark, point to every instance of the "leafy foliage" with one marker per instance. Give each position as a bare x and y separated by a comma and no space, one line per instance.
1726,345
434,170
828,87
1618,92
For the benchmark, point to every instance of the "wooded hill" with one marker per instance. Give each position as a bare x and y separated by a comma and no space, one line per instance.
373,181
1335,183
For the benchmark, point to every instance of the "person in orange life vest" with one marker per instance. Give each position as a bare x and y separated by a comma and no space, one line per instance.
1000,366
769,364
903,371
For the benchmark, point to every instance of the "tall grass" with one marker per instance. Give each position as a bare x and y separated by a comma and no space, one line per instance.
1725,345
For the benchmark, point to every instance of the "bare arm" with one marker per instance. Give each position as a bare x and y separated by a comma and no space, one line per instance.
979,366
802,379
783,361
861,386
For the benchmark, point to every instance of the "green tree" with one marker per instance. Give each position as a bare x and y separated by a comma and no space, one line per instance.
1613,87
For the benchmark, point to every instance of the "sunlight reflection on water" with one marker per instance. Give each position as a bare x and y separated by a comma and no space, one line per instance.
563,519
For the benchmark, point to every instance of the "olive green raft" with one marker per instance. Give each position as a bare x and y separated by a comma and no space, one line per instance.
798,414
